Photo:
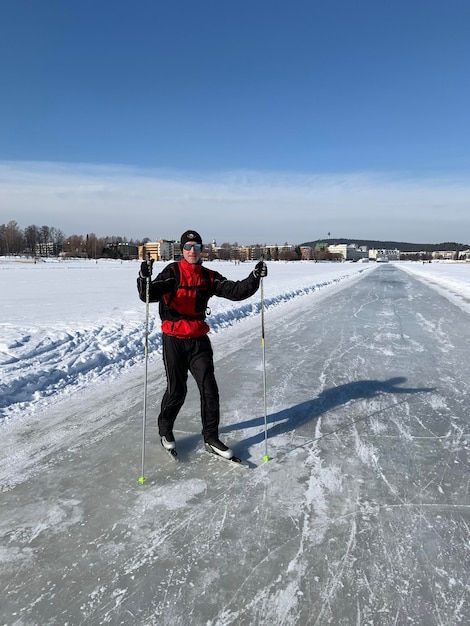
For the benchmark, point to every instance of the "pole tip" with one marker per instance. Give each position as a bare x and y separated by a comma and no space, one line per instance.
142,479
266,458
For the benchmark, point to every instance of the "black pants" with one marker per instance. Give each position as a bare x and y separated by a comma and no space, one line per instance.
181,356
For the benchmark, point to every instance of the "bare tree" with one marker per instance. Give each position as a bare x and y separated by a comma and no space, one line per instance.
11,238
92,246
32,236
45,234
57,236
74,246
224,252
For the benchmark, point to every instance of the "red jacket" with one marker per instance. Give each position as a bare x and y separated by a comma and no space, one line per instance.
183,290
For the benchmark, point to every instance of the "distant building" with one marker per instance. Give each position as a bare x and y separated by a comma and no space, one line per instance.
464,255
445,255
47,249
123,250
390,255
349,251
256,252
161,250
307,253
276,253
244,253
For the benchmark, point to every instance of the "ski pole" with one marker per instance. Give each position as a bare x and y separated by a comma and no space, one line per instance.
142,478
265,457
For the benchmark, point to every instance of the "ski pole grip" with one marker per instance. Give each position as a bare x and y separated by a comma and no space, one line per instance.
149,264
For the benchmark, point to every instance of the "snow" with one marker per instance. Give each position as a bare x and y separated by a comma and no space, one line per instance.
361,515
448,278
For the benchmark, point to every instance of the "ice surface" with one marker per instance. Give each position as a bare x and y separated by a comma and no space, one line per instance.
361,515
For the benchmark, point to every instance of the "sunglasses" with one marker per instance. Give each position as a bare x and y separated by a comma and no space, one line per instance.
196,246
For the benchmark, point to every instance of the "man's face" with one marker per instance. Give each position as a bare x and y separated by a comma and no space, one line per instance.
192,255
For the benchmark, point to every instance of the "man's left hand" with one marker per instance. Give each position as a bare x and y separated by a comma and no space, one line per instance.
261,270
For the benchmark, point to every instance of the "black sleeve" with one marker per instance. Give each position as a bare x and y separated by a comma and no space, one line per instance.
163,283
235,289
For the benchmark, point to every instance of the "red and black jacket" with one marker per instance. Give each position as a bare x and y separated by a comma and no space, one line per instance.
183,290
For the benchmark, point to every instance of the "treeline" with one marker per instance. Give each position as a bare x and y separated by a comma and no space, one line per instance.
50,241
14,240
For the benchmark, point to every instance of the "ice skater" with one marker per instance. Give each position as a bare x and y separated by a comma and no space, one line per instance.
183,289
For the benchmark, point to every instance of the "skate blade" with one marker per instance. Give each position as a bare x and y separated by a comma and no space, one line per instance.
234,460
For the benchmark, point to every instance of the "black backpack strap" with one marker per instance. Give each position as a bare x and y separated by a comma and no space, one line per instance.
175,268
208,277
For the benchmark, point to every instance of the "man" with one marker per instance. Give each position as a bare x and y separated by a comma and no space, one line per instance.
183,289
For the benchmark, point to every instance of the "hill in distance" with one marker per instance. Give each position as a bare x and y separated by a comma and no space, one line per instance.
392,245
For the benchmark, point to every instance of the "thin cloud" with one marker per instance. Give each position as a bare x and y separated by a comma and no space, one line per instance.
243,206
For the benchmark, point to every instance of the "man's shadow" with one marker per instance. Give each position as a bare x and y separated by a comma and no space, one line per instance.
294,417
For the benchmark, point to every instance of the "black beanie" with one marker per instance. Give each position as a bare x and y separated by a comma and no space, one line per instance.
190,235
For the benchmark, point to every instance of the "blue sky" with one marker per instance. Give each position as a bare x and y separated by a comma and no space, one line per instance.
251,121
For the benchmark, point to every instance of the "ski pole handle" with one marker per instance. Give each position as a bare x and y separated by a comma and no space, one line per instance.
149,264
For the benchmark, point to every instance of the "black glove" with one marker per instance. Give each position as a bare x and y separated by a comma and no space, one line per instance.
146,268
261,270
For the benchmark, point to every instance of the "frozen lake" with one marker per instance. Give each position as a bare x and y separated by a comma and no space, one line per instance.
361,516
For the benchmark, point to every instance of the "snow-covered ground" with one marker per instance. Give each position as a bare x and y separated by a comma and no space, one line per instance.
452,280
361,515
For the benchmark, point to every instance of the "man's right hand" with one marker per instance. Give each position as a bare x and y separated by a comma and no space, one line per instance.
146,268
